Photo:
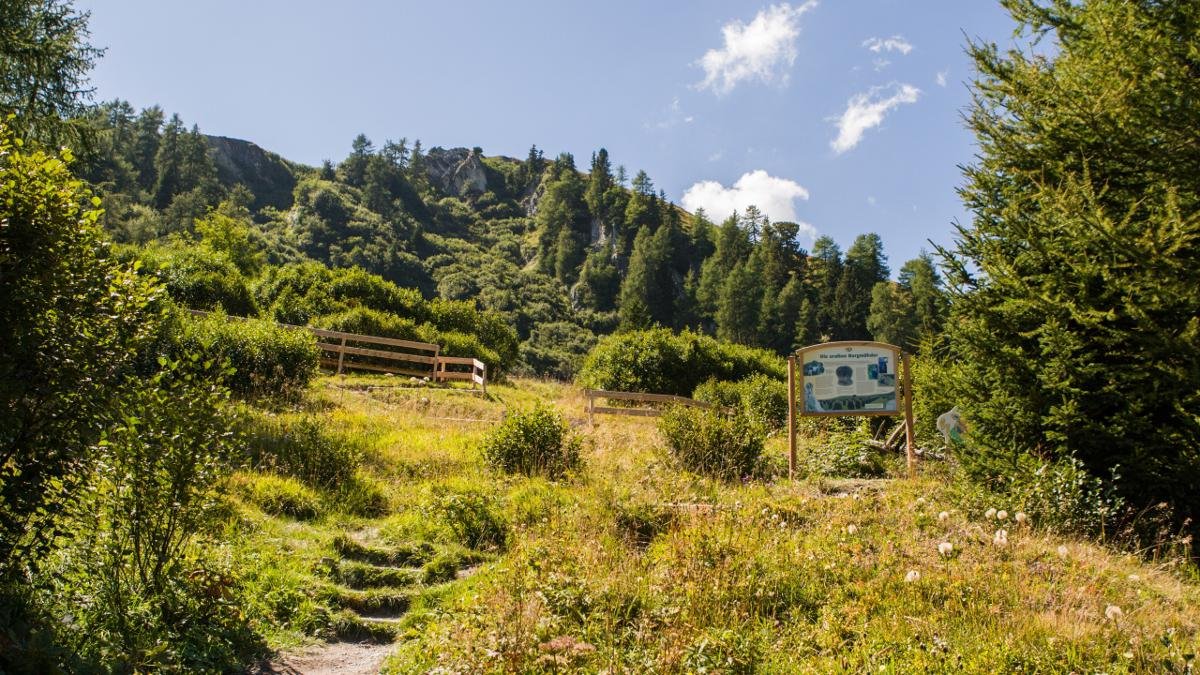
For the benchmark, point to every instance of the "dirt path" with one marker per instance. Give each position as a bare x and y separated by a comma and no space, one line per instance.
337,658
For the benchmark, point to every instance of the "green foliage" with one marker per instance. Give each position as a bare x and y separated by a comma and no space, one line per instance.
534,442
72,322
282,496
662,362
713,443
843,454
472,516
268,360
556,349
44,62
305,447
199,278
761,397
1074,325
142,586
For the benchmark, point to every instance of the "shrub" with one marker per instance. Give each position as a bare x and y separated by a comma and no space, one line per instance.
659,361
268,359
470,515
711,443
283,496
843,454
198,277
72,321
305,447
534,442
762,397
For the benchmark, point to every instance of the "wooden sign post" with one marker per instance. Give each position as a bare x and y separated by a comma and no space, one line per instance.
852,378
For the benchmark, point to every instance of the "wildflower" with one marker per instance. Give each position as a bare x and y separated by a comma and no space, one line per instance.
1020,517
945,548
1062,551
944,515
1112,613
912,576
989,514
1001,538
1001,515
920,501
851,529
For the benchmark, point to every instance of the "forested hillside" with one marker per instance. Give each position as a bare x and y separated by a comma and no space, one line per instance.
562,253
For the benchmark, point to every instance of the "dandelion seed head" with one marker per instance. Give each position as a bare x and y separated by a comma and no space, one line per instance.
1062,551
945,548
1112,613
944,515
989,514
851,529
912,576
1020,517
1001,515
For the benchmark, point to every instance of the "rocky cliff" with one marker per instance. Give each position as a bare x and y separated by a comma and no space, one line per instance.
265,173
457,171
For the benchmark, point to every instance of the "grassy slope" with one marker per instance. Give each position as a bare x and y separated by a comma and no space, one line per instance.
633,565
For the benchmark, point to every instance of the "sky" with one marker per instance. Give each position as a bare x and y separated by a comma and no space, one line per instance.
842,115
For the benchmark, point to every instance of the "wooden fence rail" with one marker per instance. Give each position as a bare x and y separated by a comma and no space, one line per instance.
594,394
352,351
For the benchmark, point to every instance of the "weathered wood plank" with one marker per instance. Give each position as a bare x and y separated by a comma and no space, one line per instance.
377,353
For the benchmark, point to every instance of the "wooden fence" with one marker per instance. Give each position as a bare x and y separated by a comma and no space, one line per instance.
351,351
593,409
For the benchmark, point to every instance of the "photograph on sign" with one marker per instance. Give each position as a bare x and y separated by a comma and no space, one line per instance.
849,378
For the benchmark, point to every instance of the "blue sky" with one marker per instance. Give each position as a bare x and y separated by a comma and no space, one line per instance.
844,115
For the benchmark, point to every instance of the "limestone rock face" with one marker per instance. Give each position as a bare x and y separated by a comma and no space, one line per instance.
264,173
457,171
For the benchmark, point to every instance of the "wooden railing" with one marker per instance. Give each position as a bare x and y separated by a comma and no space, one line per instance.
352,351
476,372
594,394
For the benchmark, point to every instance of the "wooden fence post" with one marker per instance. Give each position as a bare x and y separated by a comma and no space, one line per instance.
341,356
791,421
910,448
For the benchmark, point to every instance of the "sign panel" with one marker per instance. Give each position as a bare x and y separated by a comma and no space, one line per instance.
849,378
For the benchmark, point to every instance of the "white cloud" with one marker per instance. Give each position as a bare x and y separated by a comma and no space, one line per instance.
760,50
773,196
896,43
941,78
865,111
880,64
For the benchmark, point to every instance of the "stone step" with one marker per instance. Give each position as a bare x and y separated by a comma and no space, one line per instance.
406,555
360,576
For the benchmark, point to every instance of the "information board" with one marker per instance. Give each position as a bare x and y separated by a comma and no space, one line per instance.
849,379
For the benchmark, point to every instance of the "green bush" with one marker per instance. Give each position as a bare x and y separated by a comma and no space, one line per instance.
305,447
268,360
283,496
843,454
662,362
534,442
712,443
762,397
471,516
198,277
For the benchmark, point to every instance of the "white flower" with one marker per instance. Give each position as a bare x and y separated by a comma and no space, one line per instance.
944,515
1062,551
1020,517
1001,538
912,576
1112,613
851,529
989,514
945,548
1001,515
